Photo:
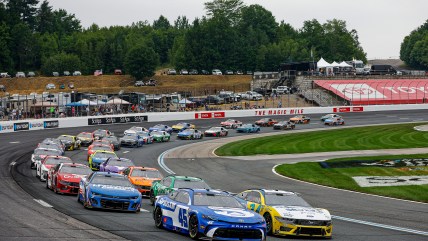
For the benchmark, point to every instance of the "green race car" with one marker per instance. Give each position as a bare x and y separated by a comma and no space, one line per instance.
160,136
173,182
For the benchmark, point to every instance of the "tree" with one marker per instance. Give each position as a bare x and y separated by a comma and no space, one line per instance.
229,10
6,62
60,63
22,10
414,48
161,23
45,18
141,61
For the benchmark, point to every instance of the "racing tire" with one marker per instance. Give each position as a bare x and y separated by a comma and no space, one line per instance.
194,227
47,184
268,220
292,127
158,217
78,198
343,123
152,198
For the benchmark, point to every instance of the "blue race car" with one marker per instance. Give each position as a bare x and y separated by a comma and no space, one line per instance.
160,127
334,121
109,191
190,134
210,213
247,128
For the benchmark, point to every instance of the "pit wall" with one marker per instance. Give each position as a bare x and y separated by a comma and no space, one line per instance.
141,118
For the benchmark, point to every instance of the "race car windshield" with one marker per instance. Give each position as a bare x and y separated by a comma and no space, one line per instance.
120,163
110,138
47,145
78,170
65,138
47,152
111,180
100,133
215,200
54,161
101,148
85,135
104,155
146,173
272,199
215,129
199,184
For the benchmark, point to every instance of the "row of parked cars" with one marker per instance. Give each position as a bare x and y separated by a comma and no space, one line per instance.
33,74
206,72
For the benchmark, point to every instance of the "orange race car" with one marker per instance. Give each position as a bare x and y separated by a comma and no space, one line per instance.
142,178
300,119
266,122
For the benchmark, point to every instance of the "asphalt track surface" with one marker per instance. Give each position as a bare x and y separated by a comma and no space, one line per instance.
61,217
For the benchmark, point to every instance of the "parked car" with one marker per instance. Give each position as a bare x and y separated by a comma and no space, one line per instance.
249,72
31,74
213,99
228,72
20,75
66,73
184,72
239,72
193,72
3,88
205,72
71,85
118,72
139,83
62,86
251,95
55,74
50,86
216,72
77,73
4,75
171,72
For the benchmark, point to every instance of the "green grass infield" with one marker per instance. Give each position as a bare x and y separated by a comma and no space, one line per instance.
342,177
395,136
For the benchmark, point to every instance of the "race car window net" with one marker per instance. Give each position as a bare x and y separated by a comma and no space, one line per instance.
146,173
47,152
65,138
121,163
85,135
215,200
111,180
285,199
186,183
104,155
101,148
78,170
54,161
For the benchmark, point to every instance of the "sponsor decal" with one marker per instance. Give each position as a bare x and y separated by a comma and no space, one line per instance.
209,115
36,125
113,120
386,181
357,109
348,109
110,187
408,162
219,114
232,212
6,127
279,112
22,126
167,204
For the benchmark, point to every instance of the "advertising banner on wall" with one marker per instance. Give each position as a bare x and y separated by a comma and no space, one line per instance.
117,120
209,115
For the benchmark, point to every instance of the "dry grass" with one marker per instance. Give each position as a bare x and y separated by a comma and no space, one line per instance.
197,84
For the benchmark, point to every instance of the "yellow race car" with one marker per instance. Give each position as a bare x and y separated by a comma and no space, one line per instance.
182,126
70,142
98,157
286,213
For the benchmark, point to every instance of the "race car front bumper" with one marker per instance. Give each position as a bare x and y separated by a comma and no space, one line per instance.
68,187
306,228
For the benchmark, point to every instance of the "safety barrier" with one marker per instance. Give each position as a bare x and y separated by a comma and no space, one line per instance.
41,124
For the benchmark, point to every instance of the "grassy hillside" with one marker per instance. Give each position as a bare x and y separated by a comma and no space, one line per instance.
197,84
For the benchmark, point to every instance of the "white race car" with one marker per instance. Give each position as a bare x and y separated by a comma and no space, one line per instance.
43,167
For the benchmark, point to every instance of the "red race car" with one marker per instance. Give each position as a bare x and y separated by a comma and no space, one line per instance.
231,123
65,177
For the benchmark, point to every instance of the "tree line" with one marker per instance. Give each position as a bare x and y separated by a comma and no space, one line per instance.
231,35
414,49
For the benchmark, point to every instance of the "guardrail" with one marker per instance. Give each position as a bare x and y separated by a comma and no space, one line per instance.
41,124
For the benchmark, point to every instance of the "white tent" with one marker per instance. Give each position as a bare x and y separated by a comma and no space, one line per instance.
88,102
185,101
344,64
118,101
322,63
335,64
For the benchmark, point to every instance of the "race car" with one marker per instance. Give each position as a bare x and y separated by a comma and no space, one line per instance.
47,162
161,127
147,137
247,128
70,142
286,213
324,117
108,191
55,142
52,146
115,165
86,138
114,141
142,178
101,133
98,157
211,214
190,134
104,142
284,125
134,130
182,126
98,147
300,119
132,139
266,122
231,123
334,121
160,136
216,131
171,182
40,153
65,177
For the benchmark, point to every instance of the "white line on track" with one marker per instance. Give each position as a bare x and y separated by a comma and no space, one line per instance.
12,163
14,142
86,149
125,152
413,231
162,163
43,203
144,210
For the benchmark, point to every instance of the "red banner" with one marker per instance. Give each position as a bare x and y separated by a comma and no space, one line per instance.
209,115
382,91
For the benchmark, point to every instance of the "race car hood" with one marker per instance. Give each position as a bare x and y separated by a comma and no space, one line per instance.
210,131
184,133
307,213
143,181
98,160
117,191
129,138
177,126
69,177
231,215
226,123
115,168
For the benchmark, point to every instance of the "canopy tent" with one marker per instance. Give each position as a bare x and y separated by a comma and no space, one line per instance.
184,102
118,101
75,104
344,64
322,63
335,64
90,103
